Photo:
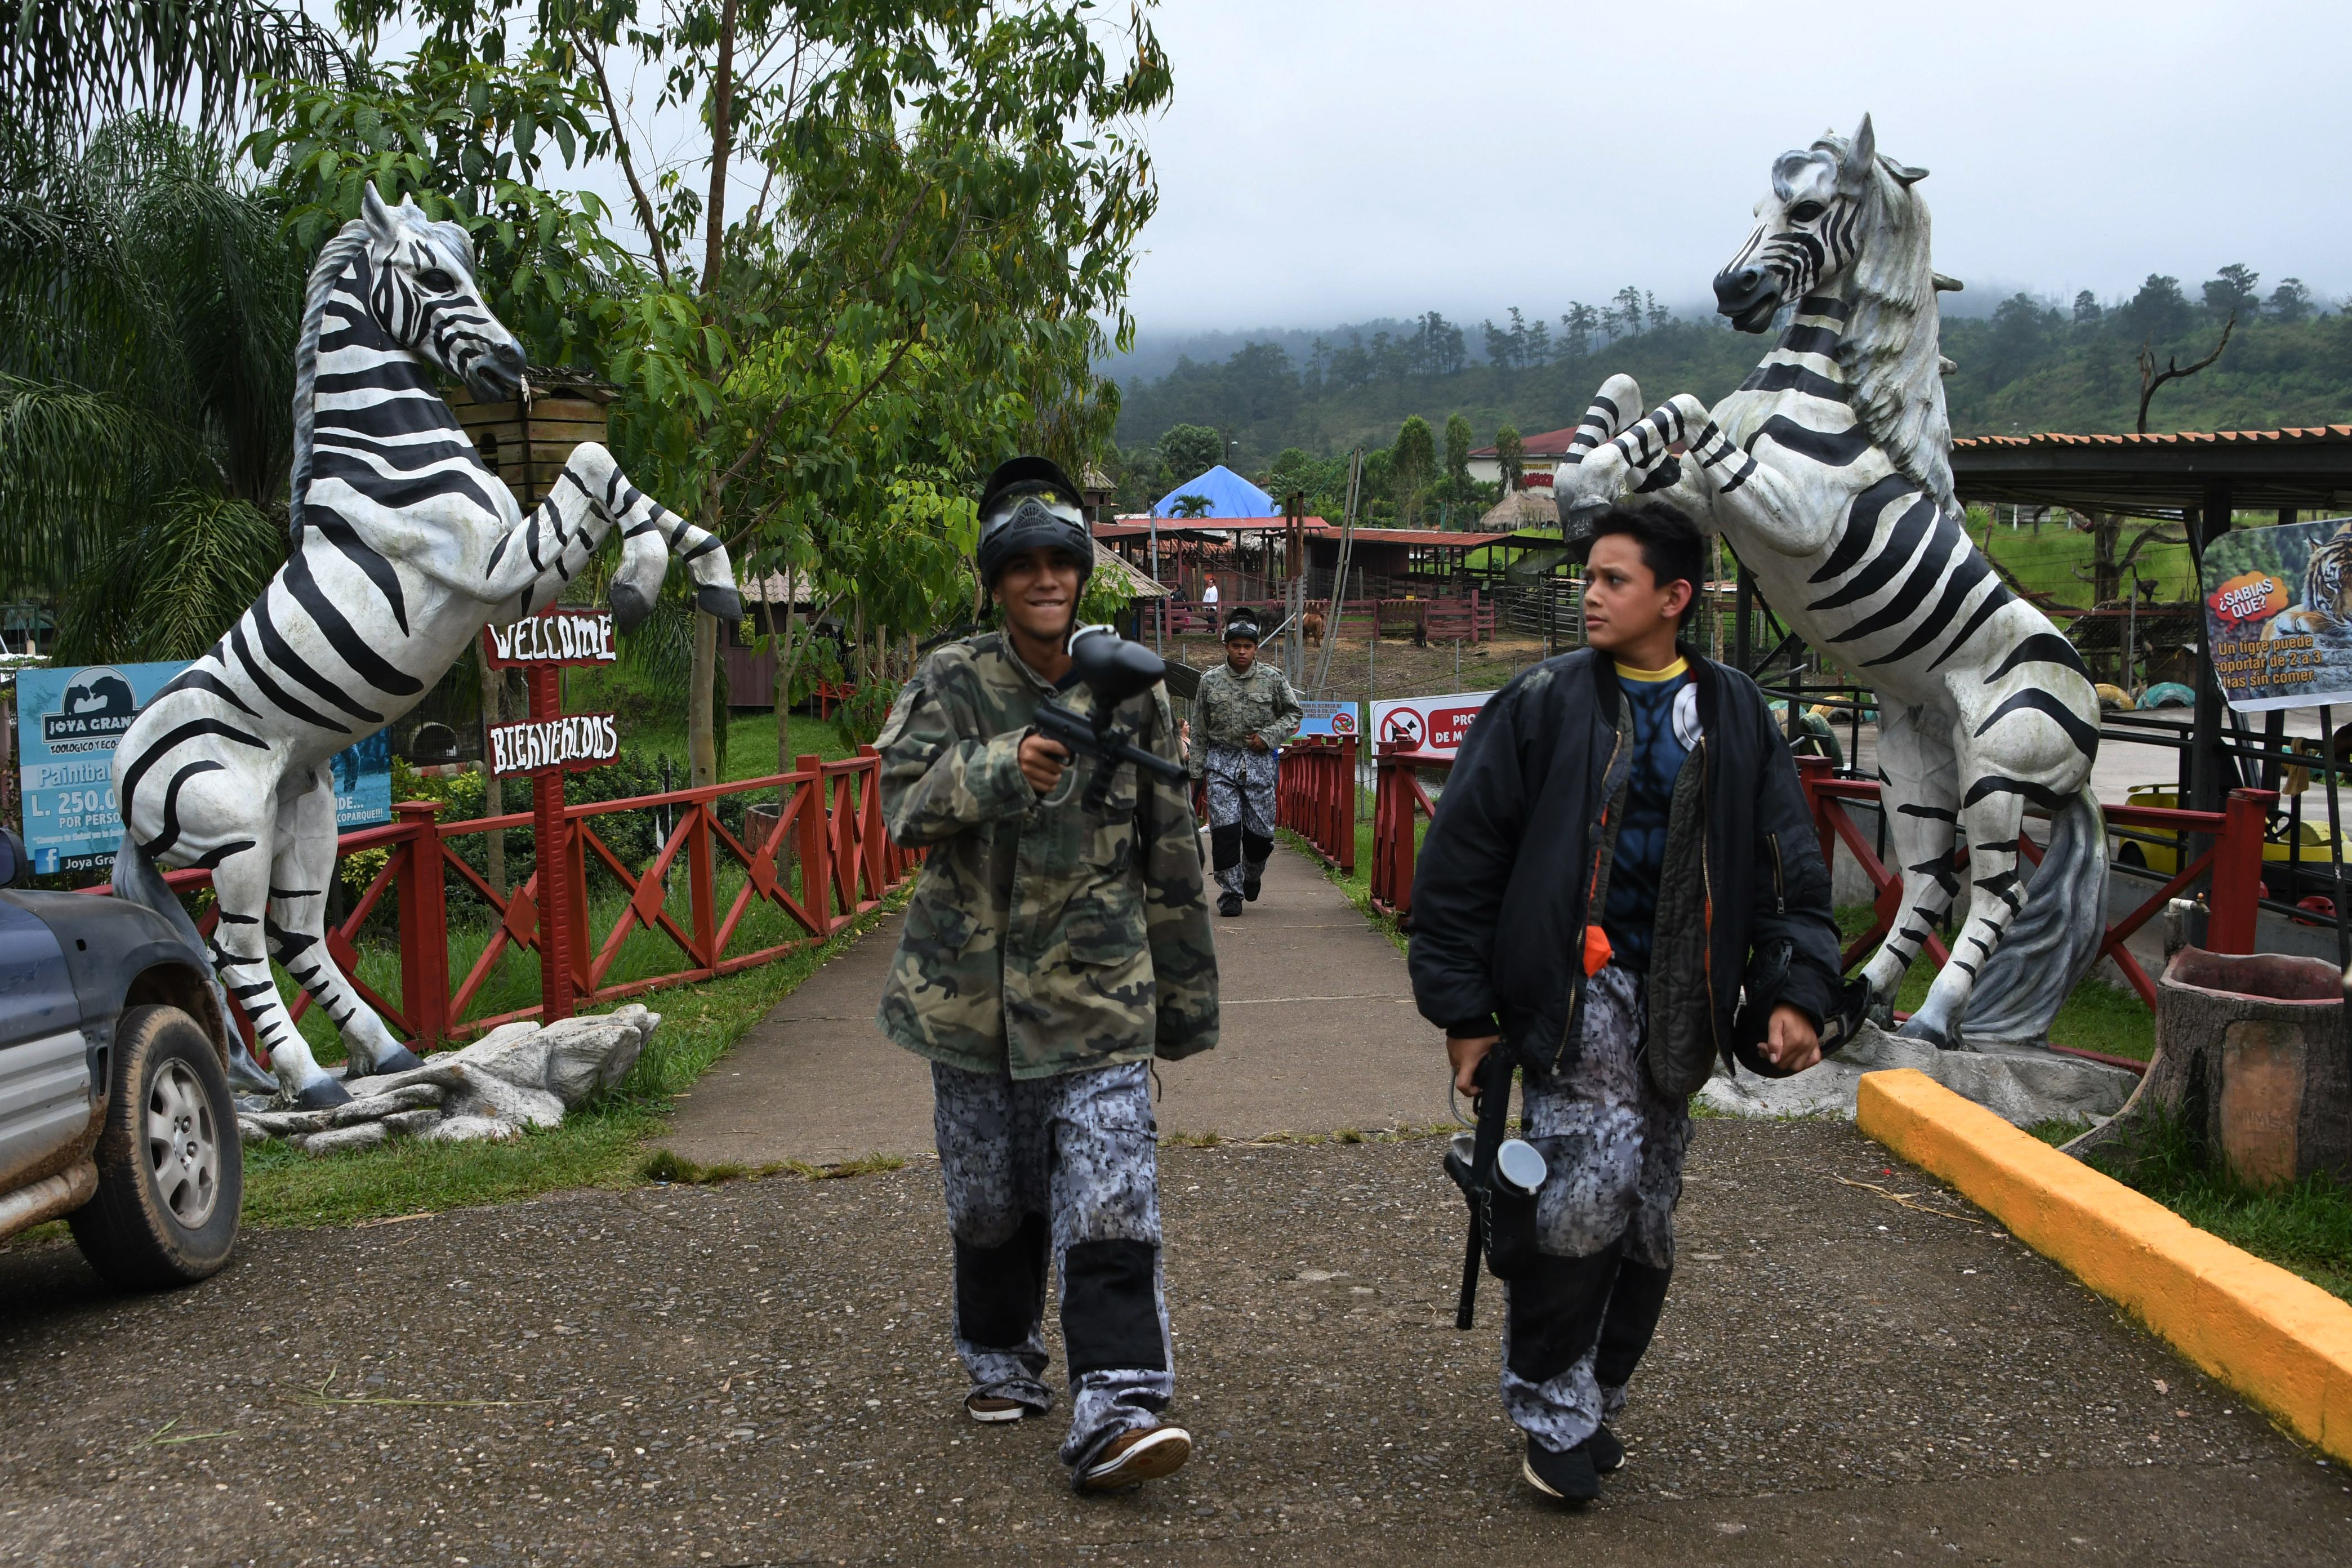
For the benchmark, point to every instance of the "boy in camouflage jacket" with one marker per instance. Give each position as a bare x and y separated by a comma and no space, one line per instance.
1243,713
1048,954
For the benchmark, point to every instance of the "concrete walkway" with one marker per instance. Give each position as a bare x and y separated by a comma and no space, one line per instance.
1319,1035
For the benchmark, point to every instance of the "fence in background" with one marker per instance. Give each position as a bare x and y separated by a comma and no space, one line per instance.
2230,869
1314,797
813,846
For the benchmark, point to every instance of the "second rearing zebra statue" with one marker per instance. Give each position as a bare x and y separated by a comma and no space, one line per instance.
405,546
1830,472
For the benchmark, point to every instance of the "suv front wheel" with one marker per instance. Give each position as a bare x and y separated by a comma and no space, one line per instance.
171,1171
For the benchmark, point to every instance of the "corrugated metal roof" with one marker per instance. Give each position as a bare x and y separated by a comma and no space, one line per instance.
2300,435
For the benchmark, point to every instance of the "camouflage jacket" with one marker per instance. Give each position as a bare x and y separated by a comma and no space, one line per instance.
1040,938
1232,707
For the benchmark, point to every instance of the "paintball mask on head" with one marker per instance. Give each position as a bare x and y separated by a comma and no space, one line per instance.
1242,626
1030,504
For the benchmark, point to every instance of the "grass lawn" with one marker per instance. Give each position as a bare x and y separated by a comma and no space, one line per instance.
2305,1228
657,727
602,1145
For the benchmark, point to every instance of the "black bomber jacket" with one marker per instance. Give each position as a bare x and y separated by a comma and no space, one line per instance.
1506,885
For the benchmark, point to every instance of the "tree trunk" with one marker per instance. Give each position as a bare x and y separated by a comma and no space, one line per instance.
2251,1055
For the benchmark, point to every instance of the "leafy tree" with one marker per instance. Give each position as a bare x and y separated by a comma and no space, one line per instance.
1628,322
2087,309
2158,310
1414,464
1658,315
1578,324
2235,291
1188,451
2290,301
947,202
1499,344
1191,505
148,308
1458,456
1511,457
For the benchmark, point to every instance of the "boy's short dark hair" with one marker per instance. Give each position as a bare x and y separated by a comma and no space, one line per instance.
1672,546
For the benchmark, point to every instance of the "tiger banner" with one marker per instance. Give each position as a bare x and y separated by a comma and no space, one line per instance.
2278,614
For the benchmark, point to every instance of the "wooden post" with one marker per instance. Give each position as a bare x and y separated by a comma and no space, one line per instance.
551,848
2238,871
816,846
424,926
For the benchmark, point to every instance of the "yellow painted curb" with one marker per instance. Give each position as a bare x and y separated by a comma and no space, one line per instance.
2277,1339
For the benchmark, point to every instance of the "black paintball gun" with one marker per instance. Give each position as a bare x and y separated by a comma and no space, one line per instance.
1112,670
1499,1177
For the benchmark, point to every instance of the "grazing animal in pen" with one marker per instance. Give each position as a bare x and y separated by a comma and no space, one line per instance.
1829,471
1310,626
405,546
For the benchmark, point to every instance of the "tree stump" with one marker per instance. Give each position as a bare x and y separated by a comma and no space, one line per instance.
2251,1055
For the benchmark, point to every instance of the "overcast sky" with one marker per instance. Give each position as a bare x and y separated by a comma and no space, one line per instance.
1329,162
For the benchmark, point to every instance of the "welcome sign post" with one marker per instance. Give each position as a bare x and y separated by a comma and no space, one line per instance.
546,746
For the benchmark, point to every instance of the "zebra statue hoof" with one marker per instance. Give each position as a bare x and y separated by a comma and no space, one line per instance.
400,1059
1576,521
1926,1034
719,601
324,1094
630,607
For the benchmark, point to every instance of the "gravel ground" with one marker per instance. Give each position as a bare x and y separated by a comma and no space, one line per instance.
760,1374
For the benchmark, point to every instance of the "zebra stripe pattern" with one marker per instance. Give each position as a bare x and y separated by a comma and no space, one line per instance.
1829,472
403,547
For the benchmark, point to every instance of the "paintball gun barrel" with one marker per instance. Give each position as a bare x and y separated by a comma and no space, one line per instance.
1112,670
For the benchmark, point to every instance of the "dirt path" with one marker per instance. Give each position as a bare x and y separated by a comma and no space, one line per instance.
760,1374
1318,1034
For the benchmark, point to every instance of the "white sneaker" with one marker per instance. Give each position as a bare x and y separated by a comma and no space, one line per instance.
989,1409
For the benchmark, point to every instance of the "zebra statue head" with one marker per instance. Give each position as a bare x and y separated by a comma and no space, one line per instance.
421,291
1826,201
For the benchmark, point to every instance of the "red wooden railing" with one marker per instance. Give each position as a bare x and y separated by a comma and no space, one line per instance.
1397,801
2234,862
831,818
1315,798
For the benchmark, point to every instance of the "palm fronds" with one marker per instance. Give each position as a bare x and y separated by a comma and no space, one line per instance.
66,65
148,311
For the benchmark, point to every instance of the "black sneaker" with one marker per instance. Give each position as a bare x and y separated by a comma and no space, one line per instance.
1608,1453
1249,890
1567,1478
1230,905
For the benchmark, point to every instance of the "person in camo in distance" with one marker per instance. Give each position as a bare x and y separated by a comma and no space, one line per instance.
1048,954
1243,713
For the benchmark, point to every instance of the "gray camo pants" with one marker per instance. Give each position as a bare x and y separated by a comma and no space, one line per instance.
1240,785
1577,1322
1066,1168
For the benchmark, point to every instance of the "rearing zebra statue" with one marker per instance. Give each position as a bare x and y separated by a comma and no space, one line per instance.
1830,472
405,546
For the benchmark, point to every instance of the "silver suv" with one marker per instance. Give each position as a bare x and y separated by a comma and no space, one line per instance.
114,1101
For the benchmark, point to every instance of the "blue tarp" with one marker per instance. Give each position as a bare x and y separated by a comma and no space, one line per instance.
1230,495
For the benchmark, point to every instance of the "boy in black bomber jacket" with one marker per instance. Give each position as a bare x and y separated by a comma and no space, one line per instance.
1621,847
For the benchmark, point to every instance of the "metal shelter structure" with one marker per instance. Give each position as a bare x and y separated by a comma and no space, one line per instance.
2204,478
